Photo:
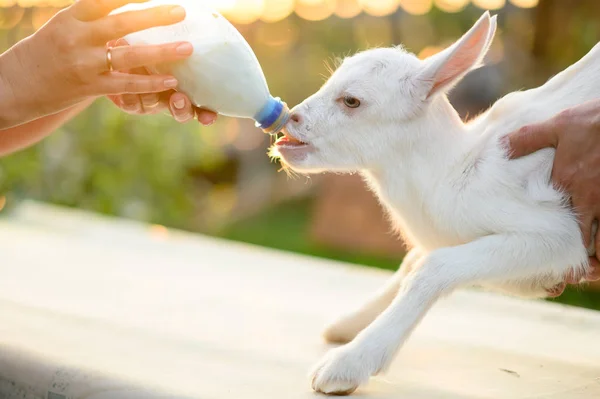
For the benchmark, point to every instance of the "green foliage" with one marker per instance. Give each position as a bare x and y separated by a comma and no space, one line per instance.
113,163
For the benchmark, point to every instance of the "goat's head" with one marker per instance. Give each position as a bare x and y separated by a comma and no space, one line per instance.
377,100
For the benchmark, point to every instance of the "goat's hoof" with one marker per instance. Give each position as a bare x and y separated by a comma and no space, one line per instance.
340,373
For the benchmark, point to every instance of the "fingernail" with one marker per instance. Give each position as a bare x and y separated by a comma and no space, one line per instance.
179,104
178,12
185,49
171,83
150,100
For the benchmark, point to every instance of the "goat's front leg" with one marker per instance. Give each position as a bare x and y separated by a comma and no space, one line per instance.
345,328
498,257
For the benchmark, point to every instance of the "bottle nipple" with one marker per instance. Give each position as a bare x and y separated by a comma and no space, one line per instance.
273,117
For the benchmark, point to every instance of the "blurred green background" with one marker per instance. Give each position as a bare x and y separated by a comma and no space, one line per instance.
219,181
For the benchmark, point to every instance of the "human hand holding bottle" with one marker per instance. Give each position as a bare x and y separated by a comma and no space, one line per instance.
67,63
178,104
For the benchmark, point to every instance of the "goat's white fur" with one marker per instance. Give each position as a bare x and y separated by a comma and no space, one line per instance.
473,216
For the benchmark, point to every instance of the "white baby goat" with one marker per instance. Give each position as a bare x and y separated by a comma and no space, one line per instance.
471,215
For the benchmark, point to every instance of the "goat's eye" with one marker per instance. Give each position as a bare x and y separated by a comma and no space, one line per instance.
351,102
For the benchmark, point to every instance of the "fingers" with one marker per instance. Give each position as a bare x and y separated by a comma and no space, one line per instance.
131,103
556,291
131,57
139,104
586,221
575,276
594,272
181,108
206,117
89,10
532,138
153,103
150,103
183,111
119,42
115,100
122,24
123,83
178,104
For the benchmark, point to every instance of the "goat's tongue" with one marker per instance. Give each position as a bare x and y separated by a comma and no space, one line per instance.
289,140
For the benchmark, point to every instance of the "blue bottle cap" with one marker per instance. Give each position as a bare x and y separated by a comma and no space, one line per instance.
273,117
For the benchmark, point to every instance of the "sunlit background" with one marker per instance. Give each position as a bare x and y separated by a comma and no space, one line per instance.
219,181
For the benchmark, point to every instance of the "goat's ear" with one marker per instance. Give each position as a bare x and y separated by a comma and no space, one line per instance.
445,69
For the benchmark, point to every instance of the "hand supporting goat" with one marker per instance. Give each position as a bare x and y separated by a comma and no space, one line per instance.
473,216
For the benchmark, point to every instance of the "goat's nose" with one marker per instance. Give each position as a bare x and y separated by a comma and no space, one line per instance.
296,118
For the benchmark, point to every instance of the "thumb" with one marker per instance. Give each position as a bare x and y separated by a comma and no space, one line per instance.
532,138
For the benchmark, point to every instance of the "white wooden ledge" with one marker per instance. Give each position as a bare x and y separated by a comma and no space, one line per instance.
95,308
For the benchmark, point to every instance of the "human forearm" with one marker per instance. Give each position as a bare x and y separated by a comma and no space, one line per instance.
20,137
9,105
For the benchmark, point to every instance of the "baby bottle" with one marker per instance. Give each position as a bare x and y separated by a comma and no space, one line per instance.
223,74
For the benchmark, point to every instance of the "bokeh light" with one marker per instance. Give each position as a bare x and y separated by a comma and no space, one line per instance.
525,3
489,4
276,10
348,8
245,11
379,8
451,6
9,18
416,7
159,232
315,10
281,35
249,11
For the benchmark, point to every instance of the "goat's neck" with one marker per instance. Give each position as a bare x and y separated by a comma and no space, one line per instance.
440,146
437,142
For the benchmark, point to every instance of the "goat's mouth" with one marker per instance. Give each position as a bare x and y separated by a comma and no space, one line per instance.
288,141
290,149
